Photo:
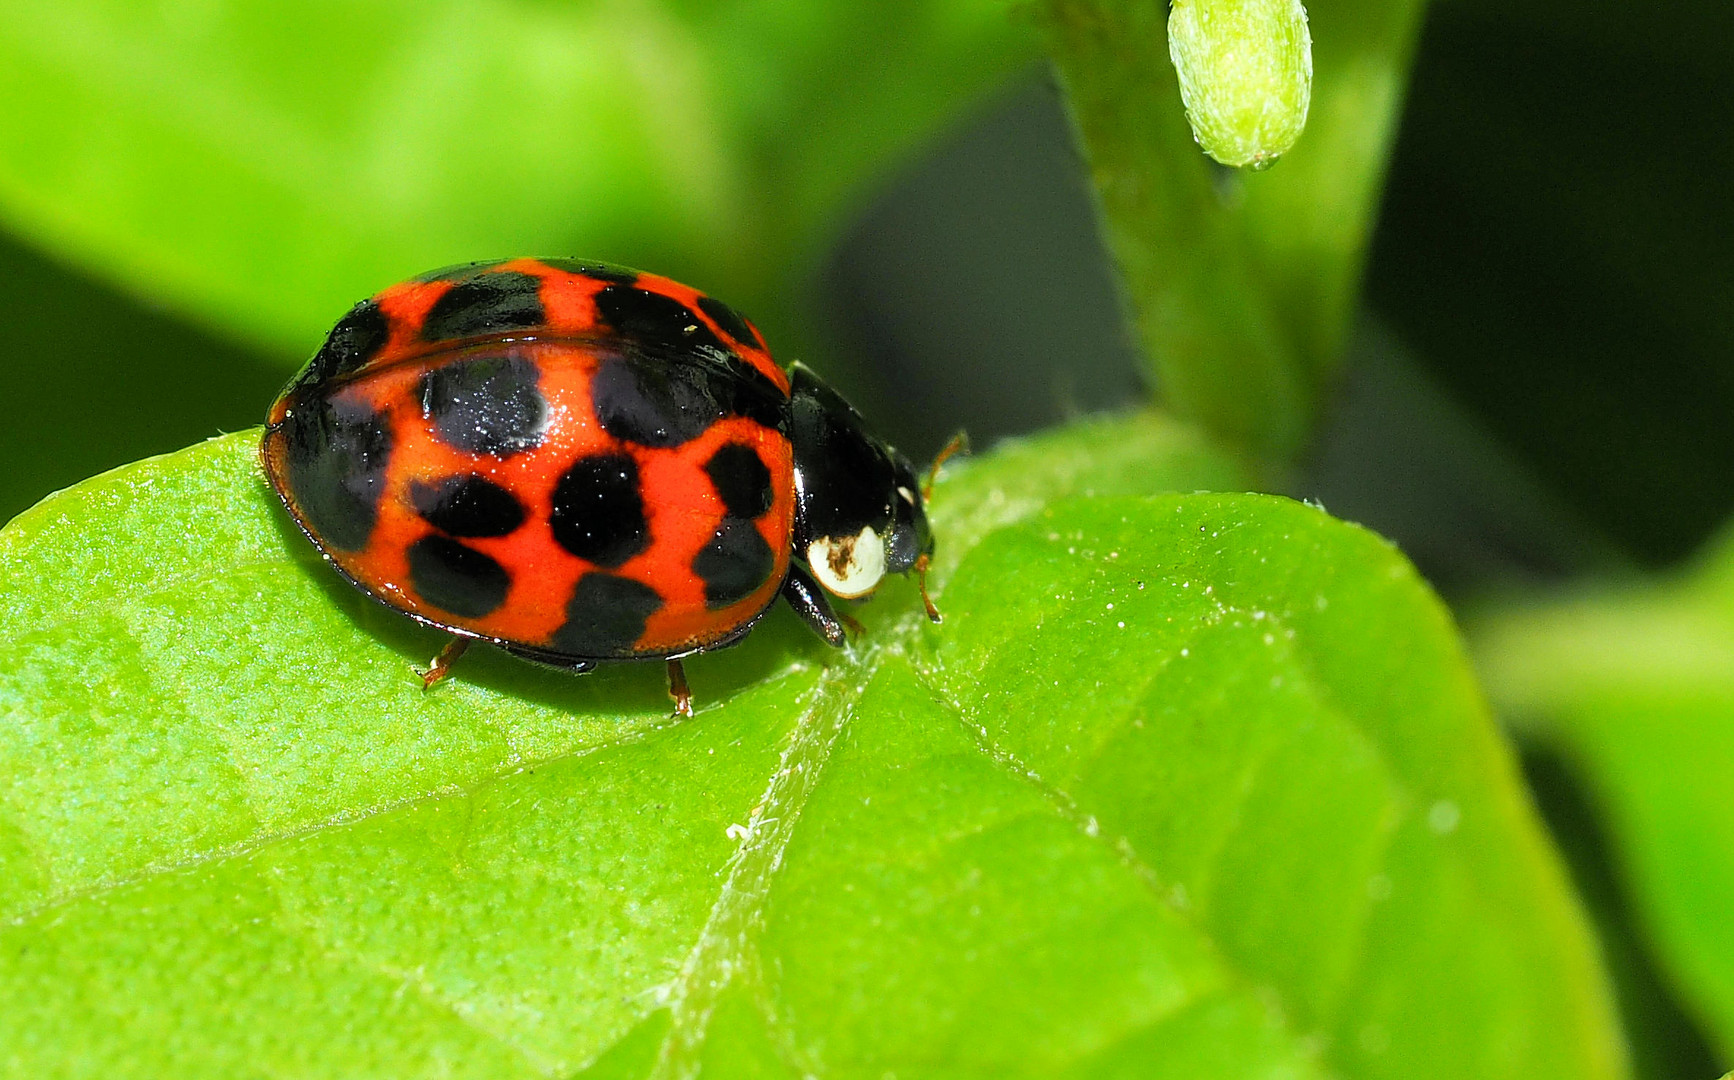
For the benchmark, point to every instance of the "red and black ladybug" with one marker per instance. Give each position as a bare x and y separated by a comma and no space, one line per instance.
579,462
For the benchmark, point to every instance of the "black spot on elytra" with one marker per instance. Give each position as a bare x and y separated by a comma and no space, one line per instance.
615,275
355,340
598,512
605,616
661,401
654,319
456,578
485,404
487,303
467,505
741,480
734,564
335,454
732,322
654,402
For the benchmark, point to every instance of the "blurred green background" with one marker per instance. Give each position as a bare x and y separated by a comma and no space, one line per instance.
1539,383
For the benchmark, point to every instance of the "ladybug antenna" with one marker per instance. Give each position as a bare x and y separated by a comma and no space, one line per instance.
959,444
921,564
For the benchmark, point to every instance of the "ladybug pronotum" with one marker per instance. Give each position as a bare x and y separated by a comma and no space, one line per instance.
578,462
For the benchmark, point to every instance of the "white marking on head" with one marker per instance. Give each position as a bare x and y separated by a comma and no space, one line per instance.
908,496
848,566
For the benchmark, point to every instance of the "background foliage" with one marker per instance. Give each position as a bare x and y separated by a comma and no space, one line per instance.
1211,791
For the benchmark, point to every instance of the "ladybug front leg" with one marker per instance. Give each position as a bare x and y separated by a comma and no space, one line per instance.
808,600
442,664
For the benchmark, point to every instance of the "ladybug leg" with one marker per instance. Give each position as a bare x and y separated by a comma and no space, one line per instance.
921,564
804,595
850,623
677,689
443,662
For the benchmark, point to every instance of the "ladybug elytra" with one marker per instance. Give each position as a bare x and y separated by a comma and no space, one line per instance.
578,462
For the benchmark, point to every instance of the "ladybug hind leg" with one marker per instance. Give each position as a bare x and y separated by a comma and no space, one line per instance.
442,663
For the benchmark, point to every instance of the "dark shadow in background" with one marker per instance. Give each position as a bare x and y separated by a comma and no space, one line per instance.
1400,455
91,379
974,293
1557,248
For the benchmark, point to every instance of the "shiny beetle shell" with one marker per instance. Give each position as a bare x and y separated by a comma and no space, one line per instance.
566,459
580,462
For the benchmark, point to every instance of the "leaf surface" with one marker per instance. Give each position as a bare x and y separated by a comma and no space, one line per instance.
1188,785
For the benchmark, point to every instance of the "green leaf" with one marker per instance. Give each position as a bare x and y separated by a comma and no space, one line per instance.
1190,785
1636,686
263,167
1241,285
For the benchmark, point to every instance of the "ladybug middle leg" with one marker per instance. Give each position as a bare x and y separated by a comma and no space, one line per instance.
678,690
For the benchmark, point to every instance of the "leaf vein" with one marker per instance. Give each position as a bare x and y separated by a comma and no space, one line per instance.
342,818
723,949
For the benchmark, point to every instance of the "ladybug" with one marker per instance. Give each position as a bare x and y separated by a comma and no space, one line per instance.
578,462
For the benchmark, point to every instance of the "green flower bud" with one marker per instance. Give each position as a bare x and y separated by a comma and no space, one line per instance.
1246,75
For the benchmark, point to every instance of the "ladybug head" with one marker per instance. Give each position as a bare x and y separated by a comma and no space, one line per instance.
858,505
